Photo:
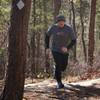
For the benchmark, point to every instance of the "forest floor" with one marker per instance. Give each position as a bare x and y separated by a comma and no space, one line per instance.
46,90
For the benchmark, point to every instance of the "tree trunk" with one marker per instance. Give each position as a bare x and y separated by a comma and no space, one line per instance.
33,65
74,27
91,33
38,37
15,78
57,6
38,51
2,66
82,26
47,60
70,13
33,45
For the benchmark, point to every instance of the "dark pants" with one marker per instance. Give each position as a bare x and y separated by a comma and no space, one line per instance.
61,61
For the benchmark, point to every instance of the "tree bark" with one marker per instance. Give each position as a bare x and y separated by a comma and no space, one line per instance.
33,64
82,26
33,42
70,13
38,39
91,33
47,59
14,84
57,6
74,27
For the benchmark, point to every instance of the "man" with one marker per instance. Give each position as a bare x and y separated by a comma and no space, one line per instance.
63,38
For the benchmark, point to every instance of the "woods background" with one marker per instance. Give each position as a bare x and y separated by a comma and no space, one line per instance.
84,57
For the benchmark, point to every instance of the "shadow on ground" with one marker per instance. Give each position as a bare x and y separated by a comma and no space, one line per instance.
47,91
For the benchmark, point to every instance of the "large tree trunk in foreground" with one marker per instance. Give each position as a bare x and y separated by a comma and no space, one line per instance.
14,84
91,33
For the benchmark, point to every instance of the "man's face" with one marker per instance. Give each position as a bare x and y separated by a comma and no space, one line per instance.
61,24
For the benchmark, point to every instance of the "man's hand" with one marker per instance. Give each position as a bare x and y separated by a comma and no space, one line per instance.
64,49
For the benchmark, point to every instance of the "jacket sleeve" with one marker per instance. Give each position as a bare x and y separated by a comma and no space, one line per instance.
47,37
72,43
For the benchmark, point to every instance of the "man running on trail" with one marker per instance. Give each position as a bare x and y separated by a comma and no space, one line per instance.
63,38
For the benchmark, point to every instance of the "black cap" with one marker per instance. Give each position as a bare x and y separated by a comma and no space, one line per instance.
60,18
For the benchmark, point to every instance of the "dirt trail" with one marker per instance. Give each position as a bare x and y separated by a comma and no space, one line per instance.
46,90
